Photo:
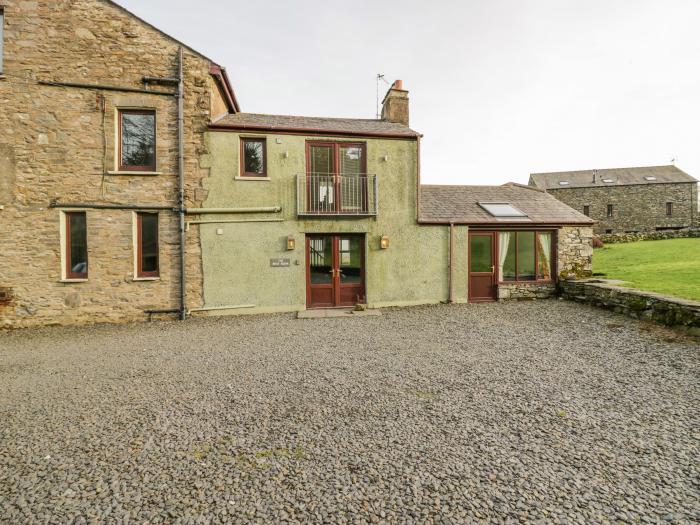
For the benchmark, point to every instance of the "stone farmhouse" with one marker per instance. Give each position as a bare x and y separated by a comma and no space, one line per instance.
132,185
627,200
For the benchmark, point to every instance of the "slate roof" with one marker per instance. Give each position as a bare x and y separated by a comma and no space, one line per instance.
460,204
619,176
317,125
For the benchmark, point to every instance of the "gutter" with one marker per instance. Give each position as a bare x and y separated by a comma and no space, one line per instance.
450,274
181,177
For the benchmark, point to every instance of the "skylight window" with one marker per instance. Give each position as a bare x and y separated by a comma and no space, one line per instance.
649,177
563,183
502,209
608,180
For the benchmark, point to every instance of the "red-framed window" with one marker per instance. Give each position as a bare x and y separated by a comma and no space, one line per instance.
336,174
525,256
147,245
253,157
137,140
76,255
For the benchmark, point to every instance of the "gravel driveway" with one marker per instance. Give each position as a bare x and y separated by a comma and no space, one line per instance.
545,410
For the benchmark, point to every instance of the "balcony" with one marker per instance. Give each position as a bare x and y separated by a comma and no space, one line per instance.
322,195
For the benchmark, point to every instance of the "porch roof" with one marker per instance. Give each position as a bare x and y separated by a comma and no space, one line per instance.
461,204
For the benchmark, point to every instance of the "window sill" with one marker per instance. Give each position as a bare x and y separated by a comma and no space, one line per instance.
146,279
69,281
251,178
139,173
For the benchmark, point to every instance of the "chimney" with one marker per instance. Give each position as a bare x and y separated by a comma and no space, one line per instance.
395,104
595,176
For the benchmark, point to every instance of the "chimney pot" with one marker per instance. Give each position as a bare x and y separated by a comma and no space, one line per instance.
398,84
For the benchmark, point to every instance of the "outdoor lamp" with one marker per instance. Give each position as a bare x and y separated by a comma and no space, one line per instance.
384,242
291,243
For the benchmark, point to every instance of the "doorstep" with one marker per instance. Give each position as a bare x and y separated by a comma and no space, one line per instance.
321,313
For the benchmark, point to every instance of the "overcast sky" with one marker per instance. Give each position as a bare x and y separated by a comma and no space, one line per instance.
499,88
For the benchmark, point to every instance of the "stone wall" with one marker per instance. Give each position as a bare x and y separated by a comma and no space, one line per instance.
615,238
59,143
669,311
575,251
639,208
526,290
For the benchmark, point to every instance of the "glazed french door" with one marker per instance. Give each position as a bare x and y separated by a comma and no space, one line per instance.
335,270
336,177
482,267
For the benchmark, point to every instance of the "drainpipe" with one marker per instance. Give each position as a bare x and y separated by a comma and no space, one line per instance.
181,178
450,276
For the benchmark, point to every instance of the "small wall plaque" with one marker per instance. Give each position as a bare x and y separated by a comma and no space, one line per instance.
279,263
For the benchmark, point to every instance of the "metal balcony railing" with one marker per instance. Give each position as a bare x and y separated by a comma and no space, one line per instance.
344,194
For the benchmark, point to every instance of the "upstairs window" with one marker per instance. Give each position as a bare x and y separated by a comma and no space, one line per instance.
137,140
587,210
76,254
610,210
147,245
253,158
2,35
669,208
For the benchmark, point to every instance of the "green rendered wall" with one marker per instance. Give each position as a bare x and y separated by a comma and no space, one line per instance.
236,259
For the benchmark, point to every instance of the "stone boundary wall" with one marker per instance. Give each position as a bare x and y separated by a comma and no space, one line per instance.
669,311
616,238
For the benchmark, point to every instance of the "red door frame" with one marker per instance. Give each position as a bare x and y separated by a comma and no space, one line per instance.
337,191
335,284
492,275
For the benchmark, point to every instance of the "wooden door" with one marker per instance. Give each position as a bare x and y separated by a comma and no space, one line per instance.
482,275
335,270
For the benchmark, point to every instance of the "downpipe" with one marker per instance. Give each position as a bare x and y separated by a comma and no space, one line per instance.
181,178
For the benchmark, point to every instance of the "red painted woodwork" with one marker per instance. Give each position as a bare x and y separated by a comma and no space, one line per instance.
335,270
482,267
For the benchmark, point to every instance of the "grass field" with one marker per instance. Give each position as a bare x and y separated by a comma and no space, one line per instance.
670,267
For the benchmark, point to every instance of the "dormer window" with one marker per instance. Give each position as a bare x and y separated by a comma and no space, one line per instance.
502,210
563,183
650,178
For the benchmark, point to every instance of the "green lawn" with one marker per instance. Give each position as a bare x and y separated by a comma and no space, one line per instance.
670,267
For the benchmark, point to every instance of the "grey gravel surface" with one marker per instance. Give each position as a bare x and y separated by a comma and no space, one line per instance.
545,411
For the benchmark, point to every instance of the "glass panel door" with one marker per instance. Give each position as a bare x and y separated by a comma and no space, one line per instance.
350,260
481,254
352,189
321,178
321,260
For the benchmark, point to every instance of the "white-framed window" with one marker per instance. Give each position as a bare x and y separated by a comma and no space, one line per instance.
146,234
74,245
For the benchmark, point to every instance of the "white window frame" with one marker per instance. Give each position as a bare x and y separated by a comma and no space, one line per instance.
64,246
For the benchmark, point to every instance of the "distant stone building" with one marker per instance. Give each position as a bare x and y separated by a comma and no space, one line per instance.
626,200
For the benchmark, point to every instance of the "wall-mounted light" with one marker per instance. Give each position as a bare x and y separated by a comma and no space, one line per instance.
384,242
291,243
385,158
285,155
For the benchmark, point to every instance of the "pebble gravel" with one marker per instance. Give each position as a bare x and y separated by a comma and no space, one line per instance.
529,412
